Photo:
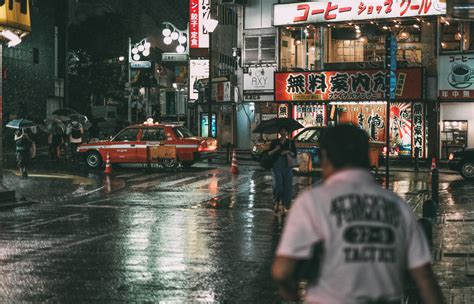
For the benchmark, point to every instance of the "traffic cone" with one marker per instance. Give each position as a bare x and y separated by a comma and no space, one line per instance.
234,169
108,167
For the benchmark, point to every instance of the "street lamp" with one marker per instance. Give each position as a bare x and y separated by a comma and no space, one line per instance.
210,25
135,53
172,33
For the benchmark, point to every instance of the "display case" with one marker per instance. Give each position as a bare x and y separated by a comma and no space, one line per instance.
453,136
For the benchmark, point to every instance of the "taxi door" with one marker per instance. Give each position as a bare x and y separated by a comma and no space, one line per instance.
153,136
123,147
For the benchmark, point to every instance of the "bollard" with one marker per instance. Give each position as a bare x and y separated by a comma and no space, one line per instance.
228,153
435,185
417,158
429,209
427,227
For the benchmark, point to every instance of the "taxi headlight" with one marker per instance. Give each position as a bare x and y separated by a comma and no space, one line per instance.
254,149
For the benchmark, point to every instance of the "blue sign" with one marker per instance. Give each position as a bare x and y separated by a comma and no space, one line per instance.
393,65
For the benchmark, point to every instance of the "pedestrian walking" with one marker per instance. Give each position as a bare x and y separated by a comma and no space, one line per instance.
22,149
75,131
56,139
369,237
282,172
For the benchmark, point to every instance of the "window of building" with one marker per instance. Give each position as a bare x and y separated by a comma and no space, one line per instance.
457,35
300,48
259,49
36,57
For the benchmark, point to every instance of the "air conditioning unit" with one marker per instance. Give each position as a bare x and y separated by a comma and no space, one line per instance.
232,2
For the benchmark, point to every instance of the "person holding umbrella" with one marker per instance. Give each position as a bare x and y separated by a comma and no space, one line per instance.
22,148
282,172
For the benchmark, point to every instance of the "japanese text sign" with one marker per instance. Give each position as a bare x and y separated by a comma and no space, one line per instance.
456,77
348,10
418,129
360,85
199,11
198,69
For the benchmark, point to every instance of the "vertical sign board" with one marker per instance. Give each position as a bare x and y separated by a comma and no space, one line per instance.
418,129
199,11
198,69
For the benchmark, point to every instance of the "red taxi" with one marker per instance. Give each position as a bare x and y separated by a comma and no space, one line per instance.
130,145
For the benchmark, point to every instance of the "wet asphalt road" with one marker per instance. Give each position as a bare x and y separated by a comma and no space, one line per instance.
197,235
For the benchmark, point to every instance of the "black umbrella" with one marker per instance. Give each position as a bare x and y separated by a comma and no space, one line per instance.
64,112
273,125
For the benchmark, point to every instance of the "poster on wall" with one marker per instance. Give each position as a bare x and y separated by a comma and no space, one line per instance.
367,116
348,10
310,115
401,129
199,12
456,77
198,69
418,129
354,85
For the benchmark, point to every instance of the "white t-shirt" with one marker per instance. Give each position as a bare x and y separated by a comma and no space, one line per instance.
370,239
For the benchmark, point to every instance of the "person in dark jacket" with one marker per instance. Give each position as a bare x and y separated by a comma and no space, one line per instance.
22,148
282,173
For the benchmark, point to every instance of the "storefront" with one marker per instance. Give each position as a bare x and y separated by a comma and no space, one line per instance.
456,94
331,63
323,98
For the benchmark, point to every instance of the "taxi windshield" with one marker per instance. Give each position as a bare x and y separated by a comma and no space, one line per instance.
182,132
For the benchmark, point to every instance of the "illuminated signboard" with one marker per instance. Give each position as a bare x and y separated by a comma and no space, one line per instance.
350,10
356,85
198,69
15,15
199,11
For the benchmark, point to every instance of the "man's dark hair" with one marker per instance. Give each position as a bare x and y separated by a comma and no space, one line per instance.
346,146
283,128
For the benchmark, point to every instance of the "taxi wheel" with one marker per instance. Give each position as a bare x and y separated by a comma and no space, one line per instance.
170,163
93,160
467,171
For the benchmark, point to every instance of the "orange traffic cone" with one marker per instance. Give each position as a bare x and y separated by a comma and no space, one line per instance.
234,169
108,167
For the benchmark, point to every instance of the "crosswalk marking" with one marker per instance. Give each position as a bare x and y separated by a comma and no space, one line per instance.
147,177
158,184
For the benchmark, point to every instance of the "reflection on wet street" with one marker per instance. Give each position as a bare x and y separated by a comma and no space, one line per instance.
200,235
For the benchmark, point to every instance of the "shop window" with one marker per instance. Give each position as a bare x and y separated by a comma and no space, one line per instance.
259,49
451,35
300,48
348,51
453,136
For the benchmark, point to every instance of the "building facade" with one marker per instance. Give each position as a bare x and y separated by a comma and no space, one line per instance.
329,68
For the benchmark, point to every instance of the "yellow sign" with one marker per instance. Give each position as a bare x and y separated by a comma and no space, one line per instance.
15,15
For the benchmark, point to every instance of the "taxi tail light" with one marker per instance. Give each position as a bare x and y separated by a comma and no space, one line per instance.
207,145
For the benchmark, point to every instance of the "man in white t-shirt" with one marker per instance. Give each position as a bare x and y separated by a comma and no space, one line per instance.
369,236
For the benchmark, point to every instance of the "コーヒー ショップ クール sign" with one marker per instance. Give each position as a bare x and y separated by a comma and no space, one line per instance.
348,10
15,15
357,85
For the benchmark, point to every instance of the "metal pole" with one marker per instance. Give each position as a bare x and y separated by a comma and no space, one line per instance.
1,112
129,80
387,114
209,93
